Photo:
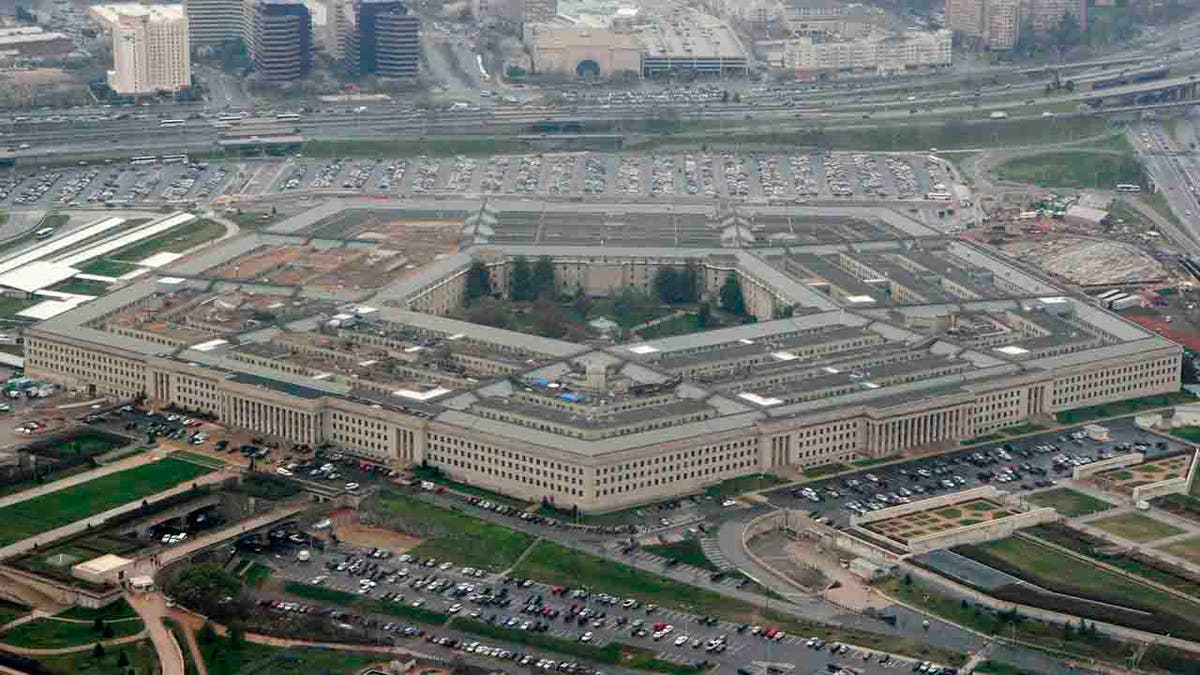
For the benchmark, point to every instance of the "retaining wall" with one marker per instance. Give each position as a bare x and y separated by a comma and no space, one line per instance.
1118,462
980,532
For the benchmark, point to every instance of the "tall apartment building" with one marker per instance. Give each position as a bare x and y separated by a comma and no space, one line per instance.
965,16
385,40
513,10
281,39
1045,15
211,22
150,47
1002,24
880,53
538,11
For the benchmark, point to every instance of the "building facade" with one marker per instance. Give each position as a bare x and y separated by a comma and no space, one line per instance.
884,55
150,48
213,22
965,17
385,40
920,346
1002,24
282,38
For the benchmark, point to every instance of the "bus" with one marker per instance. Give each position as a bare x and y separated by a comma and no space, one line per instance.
287,117
939,196
231,117
174,159
43,233
172,123
1128,188
144,159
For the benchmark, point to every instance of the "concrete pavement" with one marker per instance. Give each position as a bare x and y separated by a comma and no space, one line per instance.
152,608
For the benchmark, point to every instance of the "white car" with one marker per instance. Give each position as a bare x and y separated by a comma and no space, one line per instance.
351,487
681,640
586,637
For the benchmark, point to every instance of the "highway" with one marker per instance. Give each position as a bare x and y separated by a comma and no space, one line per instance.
1177,181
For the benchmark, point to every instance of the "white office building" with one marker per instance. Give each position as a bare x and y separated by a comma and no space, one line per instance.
150,47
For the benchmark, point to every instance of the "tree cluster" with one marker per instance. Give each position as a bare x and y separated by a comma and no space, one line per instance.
210,590
675,286
478,282
527,283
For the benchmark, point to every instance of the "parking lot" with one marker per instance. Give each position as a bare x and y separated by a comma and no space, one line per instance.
564,613
695,174
1023,465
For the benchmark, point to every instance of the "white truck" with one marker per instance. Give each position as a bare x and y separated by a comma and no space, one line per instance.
998,115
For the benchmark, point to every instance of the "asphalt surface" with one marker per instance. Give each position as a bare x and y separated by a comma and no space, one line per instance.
957,469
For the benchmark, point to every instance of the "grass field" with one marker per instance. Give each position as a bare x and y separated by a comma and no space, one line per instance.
736,486
1069,502
1136,527
925,597
397,609
141,656
81,287
686,551
1080,169
1099,550
52,634
10,306
450,534
1126,407
220,658
256,574
10,611
1188,549
176,240
53,510
115,611
1056,571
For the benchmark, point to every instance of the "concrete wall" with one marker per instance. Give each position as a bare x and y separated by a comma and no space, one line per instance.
1171,486
1118,462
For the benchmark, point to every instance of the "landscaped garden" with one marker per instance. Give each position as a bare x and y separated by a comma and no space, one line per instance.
941,519
535,303
1136,527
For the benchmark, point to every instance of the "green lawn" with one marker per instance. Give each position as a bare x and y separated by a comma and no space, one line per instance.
824,470
398,609
81,287
1080,169
107,268
52,634
1126,407
927,598
1056,571
686,551
117,610
221,658
256,574
176,240
10,306
742,484
1069,502
451,534
53,510
10,611
141,656
1136,527
55,220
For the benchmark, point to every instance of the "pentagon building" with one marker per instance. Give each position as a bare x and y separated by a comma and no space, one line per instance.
332,327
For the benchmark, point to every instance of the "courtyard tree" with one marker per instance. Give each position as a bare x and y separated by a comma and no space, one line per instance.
478,282
543,278
520,280
731,295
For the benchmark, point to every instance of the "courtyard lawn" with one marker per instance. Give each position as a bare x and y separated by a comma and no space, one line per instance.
56,509
177,240
1069,502
51,633
686,551
10,611
1188,549
742,484
1136,527
450,534
141,657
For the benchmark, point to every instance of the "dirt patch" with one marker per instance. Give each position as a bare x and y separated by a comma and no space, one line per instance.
357,534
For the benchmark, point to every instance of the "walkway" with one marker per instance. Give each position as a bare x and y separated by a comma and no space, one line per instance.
152,608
